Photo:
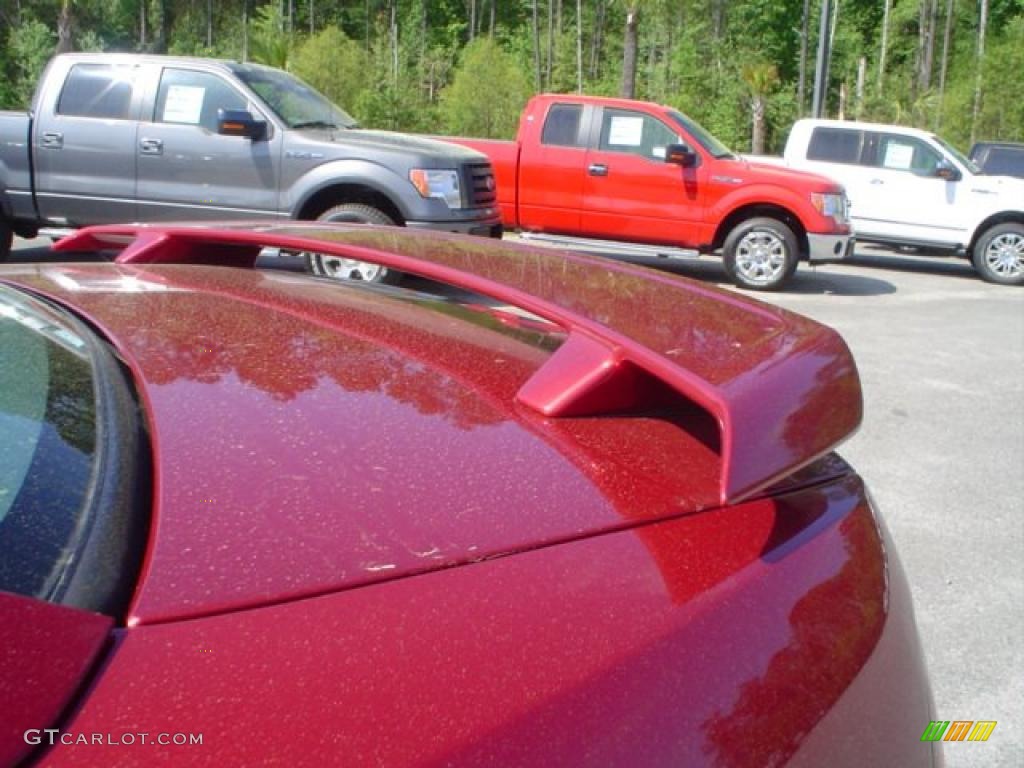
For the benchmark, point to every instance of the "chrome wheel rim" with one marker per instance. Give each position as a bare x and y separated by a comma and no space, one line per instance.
761,257
1005,255
350,269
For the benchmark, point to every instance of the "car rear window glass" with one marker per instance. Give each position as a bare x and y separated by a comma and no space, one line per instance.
835,145
1005,161
562,126
48,423
97,90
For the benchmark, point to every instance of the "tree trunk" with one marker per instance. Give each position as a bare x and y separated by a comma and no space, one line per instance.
979,69
312,28
245,31
862,66
551,44
628,90
536,49
801,87
142,24
926,41
947,38
595,39
757,125
393,39
885,45
163,26
65,43
209,23
472,18
718,18
579,46
490,29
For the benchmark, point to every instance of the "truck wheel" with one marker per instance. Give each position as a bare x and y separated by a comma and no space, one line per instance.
350,269
6,238
761,254
999,254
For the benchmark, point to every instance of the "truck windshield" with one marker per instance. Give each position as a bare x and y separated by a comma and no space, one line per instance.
962,159
702,135
296,103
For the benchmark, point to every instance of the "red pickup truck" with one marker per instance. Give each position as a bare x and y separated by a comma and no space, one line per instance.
635,178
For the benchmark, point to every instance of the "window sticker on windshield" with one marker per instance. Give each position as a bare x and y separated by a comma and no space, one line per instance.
626,131
184,104
899,156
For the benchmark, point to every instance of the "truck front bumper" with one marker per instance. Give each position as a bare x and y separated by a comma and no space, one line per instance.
485,227
829,247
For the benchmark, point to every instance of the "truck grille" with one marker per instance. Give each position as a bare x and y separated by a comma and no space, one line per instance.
481,186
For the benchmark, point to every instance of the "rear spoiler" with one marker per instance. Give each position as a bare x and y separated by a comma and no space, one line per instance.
783,389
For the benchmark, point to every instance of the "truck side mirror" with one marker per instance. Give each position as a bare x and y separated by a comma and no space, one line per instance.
240,122
945,170
680,154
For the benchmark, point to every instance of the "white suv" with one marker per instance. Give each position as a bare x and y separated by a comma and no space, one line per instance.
910,188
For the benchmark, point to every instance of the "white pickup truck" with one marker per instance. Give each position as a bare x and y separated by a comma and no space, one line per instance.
910,188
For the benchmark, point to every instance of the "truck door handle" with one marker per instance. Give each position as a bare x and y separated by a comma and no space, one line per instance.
597,169
151,146
53,140
877,181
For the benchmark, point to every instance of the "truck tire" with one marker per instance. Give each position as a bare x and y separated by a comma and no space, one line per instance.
999,254
761,254
6,238
350,269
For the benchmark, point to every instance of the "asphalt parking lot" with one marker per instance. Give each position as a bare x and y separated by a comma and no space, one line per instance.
941,356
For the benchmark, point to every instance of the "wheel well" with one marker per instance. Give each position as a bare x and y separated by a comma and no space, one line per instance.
349,193
754,211
1000,218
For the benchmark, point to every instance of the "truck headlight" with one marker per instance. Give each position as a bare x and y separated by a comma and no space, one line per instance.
832,205
440,184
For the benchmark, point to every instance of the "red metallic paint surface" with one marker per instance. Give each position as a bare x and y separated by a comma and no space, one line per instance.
763,373
366,552
45,653
722,638
312,455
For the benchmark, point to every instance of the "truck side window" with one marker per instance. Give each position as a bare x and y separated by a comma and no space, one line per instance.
635,133
193,98
905,153
835,145
97,90
562,126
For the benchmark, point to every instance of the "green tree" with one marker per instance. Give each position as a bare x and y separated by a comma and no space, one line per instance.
487,94
30,48
268,42
333,64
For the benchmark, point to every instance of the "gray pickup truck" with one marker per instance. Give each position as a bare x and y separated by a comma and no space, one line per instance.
123,137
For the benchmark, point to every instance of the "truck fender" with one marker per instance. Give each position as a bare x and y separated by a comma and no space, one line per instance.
1003,217
762,200
380,180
